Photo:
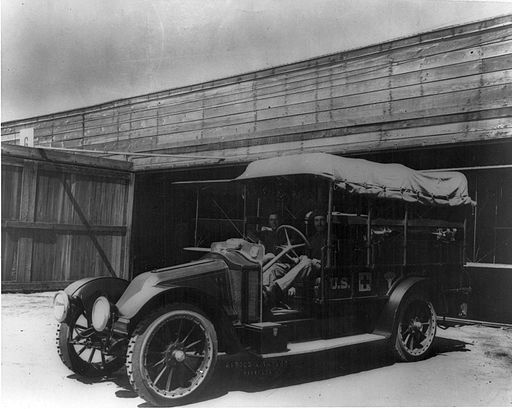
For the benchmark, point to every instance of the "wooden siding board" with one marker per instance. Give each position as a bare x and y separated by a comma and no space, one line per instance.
468,54
247,154
50,196
11,191
497,63
9,256
206,100
27,212
239,106
358,117
311,132
425,75
422,90
41,132
404,55
44,257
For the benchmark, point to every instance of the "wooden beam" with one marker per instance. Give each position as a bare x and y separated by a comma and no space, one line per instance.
8,287
127,253
64,157
63,227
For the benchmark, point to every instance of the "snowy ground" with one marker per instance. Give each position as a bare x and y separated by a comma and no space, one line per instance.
471,366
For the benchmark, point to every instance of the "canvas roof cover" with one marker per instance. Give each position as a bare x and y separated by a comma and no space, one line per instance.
381,180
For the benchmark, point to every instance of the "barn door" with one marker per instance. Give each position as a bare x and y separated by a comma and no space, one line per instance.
64,217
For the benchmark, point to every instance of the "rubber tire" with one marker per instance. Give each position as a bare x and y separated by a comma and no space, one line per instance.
398,349
134,356
71,359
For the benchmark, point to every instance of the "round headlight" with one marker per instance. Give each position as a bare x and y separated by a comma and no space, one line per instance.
60,306
100,313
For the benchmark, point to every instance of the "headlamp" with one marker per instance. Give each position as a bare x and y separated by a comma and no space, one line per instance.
100,313
60,306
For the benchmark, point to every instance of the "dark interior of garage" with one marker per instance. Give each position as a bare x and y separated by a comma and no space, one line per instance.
164,212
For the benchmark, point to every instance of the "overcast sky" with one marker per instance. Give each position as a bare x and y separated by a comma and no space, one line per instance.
64,54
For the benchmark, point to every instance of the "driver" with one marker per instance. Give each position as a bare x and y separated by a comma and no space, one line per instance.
279,279
268,235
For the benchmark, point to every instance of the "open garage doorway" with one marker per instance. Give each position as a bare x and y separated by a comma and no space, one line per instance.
164,215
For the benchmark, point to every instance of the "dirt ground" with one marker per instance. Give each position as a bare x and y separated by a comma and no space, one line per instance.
471,366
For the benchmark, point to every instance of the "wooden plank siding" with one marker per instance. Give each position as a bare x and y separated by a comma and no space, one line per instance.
62,220
447,86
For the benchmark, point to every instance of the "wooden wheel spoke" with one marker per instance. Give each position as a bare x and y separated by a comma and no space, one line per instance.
190,332
185,363
412,339
192,344
93,351
82,350
406,341
158,363
102,358
195,356
420,337
179,331
169,380
85,333
160,374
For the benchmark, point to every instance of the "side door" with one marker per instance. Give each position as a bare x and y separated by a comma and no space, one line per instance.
65,216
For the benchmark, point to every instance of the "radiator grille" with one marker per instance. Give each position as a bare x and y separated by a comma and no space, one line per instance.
245,293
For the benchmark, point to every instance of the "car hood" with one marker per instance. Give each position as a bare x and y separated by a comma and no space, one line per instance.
180,272
150,283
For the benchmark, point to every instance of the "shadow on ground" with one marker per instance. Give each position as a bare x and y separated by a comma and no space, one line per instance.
245,373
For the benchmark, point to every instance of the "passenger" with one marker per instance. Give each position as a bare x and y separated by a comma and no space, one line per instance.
280,278
268,235
319,239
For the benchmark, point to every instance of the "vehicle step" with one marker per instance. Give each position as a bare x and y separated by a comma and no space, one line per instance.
318,345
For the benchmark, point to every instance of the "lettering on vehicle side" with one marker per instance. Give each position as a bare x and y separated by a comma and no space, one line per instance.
258,365
339,283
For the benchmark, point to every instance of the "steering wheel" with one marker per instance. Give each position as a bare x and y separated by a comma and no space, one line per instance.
289,247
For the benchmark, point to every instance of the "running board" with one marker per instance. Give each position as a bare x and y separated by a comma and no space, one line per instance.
318,345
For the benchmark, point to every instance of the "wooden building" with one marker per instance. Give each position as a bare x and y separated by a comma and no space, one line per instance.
441,99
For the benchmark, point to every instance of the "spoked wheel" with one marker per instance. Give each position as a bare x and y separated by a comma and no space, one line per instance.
171,356
83,350
416,329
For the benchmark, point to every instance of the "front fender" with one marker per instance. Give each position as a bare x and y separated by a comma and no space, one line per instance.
387,320
144,296
140,291
84,292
